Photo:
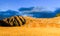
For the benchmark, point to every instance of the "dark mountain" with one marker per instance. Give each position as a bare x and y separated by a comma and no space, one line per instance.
26,9
57,10
43,14
7,14
37,14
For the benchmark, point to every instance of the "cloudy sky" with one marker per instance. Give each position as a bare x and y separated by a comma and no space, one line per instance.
15,4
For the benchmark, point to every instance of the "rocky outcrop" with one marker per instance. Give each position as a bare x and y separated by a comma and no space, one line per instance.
13,21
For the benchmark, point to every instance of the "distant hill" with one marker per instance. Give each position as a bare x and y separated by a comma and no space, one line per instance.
7,14
44,14
36,12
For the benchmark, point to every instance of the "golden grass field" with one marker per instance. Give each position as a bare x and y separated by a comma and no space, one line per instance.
34,27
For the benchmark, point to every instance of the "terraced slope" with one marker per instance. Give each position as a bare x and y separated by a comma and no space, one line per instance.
13,21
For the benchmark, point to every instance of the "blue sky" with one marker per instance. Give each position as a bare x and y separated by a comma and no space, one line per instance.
16,4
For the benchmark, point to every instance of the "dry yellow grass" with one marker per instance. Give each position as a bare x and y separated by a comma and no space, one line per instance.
20,31
34,27
43,22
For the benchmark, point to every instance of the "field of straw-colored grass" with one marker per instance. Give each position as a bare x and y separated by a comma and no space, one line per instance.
34,27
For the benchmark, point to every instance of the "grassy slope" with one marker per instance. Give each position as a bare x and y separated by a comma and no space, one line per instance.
20,31
33,28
